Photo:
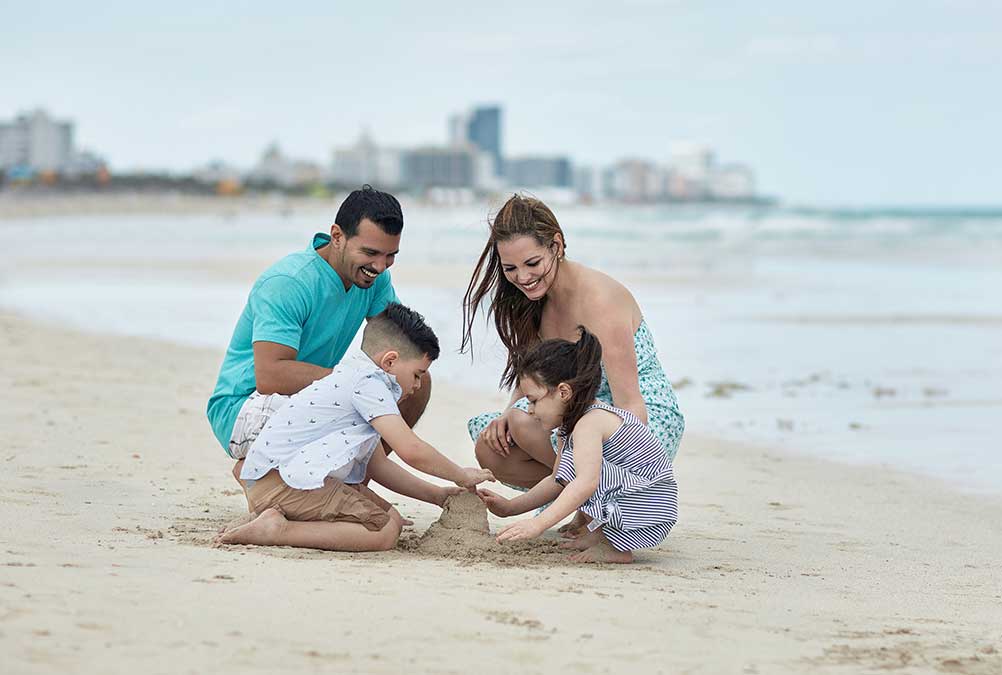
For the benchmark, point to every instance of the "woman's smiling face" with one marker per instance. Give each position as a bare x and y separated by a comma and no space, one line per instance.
529,265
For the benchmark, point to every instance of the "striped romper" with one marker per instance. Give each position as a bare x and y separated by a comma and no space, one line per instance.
636,502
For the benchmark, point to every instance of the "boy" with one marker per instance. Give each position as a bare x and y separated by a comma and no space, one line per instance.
304,474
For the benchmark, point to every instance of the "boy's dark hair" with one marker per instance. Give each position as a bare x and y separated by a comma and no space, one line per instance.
400,328
578,364
382,208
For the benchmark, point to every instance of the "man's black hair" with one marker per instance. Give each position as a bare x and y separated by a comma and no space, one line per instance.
382,208
397,322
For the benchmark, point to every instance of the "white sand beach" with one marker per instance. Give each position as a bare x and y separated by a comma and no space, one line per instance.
779,564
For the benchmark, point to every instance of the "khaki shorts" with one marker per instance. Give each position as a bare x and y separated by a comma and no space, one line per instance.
335,502
253,415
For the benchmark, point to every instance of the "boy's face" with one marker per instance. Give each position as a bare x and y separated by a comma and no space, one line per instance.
407,371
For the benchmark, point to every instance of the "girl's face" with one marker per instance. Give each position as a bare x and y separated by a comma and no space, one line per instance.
529,265
546,405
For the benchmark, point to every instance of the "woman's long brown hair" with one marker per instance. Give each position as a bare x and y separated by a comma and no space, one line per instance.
516,317
578,364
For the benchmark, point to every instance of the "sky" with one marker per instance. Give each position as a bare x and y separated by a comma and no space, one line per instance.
851,103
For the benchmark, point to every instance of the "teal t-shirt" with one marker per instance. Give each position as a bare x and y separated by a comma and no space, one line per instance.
299,302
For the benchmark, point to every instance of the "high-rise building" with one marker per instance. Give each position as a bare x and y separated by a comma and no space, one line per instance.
36,141
532,172
484,131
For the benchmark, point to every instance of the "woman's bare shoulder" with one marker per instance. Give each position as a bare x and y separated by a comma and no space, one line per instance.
608,296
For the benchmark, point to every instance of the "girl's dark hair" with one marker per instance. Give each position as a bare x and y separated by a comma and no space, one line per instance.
515,316
578,364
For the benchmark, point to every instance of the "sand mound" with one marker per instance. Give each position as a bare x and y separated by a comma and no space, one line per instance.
462,533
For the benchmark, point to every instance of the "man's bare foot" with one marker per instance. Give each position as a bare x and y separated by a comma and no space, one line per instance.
237,522
585,541
579,521
265,530
602,552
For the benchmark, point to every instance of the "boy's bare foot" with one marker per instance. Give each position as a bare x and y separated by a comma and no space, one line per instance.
237,522
579,521
602,552
265,530
585,541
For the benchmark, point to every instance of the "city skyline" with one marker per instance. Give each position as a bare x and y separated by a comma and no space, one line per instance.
831,106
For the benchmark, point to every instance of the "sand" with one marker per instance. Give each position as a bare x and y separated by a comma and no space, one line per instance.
780,563
462,534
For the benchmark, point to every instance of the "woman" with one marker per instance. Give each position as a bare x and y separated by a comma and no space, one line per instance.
538,294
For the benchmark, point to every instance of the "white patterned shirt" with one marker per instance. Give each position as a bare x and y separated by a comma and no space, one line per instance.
325,429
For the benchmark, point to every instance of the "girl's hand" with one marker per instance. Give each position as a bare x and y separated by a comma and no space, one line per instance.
496,435
496,504
523,529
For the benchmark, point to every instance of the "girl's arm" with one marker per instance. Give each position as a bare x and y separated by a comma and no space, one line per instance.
587,471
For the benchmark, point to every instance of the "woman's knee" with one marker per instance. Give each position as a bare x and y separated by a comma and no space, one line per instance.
525,429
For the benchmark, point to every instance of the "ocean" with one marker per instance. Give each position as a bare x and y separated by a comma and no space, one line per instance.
868,336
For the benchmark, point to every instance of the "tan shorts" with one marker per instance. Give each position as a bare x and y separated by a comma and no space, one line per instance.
253,415
335,502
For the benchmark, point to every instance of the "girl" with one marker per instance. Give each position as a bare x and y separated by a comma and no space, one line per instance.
536,293
610,466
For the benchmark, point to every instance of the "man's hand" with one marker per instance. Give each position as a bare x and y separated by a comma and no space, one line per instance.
473,477
497,437
523,529
496,504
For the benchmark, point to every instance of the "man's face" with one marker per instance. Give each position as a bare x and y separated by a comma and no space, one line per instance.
361,259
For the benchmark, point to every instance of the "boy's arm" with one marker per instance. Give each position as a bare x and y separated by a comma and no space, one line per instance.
423,456
394,477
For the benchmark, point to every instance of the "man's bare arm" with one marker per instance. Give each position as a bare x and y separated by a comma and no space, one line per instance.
277,371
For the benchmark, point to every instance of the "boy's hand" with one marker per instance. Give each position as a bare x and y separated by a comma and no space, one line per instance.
447,491
496,504
473,477
523,529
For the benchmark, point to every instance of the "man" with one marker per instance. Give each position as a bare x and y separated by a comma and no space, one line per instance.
302,314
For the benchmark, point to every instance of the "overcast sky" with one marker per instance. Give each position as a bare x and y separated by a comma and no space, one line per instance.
831,103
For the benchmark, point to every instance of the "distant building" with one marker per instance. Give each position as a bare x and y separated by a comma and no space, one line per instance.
274,168
365,162
37,142
733,181
451,167
586,182
635,180
532,172
484,131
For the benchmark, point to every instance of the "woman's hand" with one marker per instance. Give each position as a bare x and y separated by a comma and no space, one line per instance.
496,504
497,437
523,529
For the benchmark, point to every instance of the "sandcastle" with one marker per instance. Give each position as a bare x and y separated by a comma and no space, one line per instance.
462,532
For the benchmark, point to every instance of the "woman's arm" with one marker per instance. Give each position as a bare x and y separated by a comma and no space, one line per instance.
619,355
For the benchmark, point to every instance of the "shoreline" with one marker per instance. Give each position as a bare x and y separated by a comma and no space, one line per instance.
116,484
